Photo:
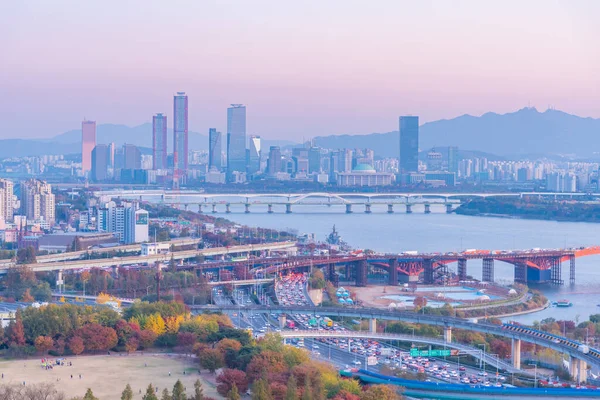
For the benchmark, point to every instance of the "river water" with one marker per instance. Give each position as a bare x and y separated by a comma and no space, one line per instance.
441,232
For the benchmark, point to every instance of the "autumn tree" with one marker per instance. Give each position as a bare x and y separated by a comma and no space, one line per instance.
97,337
265,363
229,378
17,331
27,297
420,301
75,345
233,394
89,395
43,344
166,395
228,344
178,391
292,389
381,392
127,393
150,394
198,391
147,338
211,359
260,390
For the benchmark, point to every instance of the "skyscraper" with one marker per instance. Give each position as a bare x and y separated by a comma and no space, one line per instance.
159,141
453,159
214,149
274,163
88,142
409,144
180,131
132,157
100,159
236,139
6,200
314,160
254,155
111,155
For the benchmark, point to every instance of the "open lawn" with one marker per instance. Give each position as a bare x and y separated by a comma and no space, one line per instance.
108,375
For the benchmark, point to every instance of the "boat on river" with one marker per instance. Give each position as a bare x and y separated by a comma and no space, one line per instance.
562,303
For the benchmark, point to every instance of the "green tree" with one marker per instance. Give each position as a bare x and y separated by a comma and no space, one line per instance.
198,391
127,393
292,389
178,391
89,395
233,393
150,395
261,390
211,359
166,395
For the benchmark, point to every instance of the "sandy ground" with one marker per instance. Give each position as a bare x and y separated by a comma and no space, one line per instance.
108,375
371,295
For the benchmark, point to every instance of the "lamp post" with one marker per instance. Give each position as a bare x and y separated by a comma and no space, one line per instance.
535,376
483,355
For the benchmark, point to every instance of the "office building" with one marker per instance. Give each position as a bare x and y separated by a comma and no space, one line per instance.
254,154
88,142
300,159
409,144
345,160
37,201
100,160
274,164
236,139
6,200
214,149
126,220
453,159
364,175
434,161
180,133
159,141
314,160
132,157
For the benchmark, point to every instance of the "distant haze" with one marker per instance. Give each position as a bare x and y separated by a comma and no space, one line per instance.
304,69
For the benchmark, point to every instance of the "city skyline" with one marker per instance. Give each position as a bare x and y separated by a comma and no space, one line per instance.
331,79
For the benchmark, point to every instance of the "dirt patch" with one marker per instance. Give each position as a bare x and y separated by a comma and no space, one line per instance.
371,296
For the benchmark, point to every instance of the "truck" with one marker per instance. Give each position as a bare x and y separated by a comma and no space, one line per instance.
584,348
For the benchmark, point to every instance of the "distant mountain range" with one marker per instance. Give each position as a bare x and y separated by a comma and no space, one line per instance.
513,135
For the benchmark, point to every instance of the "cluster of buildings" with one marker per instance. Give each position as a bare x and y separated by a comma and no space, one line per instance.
126,220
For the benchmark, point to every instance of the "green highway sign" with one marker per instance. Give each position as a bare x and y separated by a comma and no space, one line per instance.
414,352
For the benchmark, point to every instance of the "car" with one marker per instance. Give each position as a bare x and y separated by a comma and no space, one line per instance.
356,362
462,369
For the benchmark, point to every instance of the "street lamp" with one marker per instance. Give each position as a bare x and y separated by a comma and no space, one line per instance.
535,376
483,355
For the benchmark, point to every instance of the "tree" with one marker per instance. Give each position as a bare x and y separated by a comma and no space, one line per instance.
198,391
228,378
43,344
211,359
127,393
89,395
233,393
17,331
97,337
132,344
75,344
292,389
381,392
420,301
178,391
166,395
228,344
150,395
260,390
147,338
27,297
306,392
156,324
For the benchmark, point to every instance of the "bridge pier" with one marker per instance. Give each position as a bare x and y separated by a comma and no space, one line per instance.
447,334
390,209
115,270
578,369
348,208
185,206
427,208
247,208
282,320
331,273
59,280
409,208
572,269
361,273
556,271
393,273
348,271
462,269
373,325
428,271
516,353
199,208
367,208
214,208
487,274
288,208
228,208
521,273
448,208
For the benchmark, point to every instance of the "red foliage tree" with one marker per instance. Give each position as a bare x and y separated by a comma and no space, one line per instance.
76,345
132,344
17,331
268,362
228,377
43,344
147,338
97,337
501,348
186,340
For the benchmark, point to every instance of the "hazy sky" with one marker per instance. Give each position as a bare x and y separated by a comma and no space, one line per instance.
303,68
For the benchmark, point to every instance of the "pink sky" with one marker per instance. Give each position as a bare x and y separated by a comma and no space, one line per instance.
302,68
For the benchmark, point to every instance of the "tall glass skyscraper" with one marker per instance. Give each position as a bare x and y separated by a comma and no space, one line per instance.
236,139
88,142
409,144
159,141
180,131
254,155
214,149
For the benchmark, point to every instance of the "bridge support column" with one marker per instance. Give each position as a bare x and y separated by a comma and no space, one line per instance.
361,273
270,208
185,207
390,208
447,334
393,273
409,208
521,273
487,274
59,280
348,271
373,325
228,208
556,271
115,270
214,208
516,353
572,269
348,208
331,277
578,369
282,320
428,271
462,269
247,208
199,208
448,208
427,208
288,208
367,208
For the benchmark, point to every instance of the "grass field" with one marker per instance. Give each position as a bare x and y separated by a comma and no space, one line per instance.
108,375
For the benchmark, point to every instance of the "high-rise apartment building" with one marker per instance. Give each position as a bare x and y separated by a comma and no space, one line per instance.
254,155
214,149
300,158
111,155
37,201
127,220
100,159
180,132
236,139
6,200
159,141
409,144
88,142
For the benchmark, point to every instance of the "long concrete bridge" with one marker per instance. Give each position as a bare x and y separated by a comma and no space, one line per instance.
579,358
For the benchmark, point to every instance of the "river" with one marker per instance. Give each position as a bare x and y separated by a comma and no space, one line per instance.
441,232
